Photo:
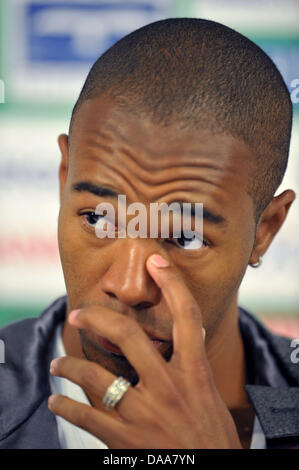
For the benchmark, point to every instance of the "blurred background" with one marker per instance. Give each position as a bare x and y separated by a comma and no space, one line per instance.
46,50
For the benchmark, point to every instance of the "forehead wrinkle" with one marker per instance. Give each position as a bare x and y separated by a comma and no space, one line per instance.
83,138
110,132
167,162
118,171
157,160
164,172
190,190
115,131
154,161
153,190
154,157
144,178
169,173
158,172
175,188
98,138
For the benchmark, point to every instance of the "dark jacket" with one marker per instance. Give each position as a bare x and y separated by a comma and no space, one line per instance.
26,422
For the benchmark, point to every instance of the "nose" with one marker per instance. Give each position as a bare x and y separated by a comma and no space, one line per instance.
127,278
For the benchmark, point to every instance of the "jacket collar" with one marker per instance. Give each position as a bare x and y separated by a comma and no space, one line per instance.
272,379
24,378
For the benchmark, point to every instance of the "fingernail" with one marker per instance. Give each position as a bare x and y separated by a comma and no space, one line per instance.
158,261
74,314
203,333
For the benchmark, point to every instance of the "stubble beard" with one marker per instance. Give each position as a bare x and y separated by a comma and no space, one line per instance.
117,365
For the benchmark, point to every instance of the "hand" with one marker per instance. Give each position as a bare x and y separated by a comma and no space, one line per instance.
175,404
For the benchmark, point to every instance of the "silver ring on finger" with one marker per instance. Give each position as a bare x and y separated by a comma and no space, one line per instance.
115,392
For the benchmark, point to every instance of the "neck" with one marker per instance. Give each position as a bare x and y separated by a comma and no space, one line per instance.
225,352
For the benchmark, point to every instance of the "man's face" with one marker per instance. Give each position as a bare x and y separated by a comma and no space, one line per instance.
148,163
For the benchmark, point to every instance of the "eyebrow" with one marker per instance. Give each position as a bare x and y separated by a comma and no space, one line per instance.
208,215
104,191
97,190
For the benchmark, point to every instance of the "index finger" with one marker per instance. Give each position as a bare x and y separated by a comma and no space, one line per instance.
188,332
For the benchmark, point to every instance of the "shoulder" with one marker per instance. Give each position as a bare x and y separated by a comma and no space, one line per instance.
267,347
15,339
24,375
17,332
21,337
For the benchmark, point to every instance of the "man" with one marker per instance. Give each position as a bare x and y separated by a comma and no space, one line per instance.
183,110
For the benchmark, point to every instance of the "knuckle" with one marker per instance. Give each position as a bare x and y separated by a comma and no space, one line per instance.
136,441
89,374
177,401
57,404
175,404
171,396
174,276
193,309
85,418
60,365
204,377
87,314
126,329
147,411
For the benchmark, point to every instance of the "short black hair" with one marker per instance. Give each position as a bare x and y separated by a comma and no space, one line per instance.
208,76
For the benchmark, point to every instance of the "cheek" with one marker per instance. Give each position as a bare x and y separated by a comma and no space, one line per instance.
68,239
69,253
214,295
84,259
215,285
76,259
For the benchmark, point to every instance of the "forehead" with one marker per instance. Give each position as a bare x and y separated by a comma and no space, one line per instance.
116,143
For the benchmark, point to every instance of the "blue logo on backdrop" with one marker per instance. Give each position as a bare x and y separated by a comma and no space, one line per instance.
286,58
71,32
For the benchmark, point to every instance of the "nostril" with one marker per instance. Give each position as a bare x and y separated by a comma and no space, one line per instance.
143,305
111,294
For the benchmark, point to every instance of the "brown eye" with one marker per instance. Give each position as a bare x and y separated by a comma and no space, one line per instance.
189,242
99,224
91,218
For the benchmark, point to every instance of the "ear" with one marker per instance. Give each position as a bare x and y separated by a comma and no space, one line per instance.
270,222
64,163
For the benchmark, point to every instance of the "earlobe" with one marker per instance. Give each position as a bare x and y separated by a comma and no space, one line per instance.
270,222
64,163
258,263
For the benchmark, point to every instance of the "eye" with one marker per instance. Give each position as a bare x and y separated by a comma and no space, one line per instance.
97,223
91,218
189,241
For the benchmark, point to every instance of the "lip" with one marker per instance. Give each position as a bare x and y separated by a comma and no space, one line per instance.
111,347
